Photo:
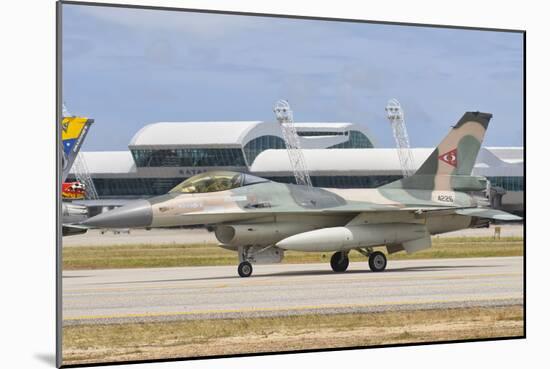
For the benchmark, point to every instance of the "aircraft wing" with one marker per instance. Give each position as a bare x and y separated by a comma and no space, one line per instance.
488,214
367,208
433,210
383,214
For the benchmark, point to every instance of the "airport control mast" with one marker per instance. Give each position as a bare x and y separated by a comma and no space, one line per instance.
283,113
396,117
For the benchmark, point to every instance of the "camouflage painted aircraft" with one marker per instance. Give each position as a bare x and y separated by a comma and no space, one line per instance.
261,219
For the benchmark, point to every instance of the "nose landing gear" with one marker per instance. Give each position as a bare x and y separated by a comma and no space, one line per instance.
245,269
249,255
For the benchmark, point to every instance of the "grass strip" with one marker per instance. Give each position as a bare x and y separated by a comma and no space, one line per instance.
147,341
180,255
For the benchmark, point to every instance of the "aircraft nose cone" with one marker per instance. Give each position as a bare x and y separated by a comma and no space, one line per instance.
136,214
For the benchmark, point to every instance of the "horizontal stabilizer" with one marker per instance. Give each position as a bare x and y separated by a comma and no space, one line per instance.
488,214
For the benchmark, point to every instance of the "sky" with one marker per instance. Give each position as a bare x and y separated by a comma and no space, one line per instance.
130,67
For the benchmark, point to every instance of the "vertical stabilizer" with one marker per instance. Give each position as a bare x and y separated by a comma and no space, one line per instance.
453,159
73,133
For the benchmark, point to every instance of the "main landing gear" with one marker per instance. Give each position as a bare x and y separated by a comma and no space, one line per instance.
339,261
377,261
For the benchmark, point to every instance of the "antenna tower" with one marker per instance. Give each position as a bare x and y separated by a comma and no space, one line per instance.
283,113
82,174
396,117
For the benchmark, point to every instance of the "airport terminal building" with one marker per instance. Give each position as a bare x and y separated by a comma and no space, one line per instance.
341,155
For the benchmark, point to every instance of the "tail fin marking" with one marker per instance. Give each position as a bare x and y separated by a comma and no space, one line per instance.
453,159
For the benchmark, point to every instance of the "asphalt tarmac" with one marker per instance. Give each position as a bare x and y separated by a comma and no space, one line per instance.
164,294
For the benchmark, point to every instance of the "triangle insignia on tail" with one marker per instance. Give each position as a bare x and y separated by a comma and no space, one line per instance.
450,157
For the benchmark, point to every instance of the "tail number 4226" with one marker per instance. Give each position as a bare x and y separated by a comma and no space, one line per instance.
445,198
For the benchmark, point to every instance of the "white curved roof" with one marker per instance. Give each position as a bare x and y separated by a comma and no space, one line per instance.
321,142
108,162
383,161
231,134
499,161
337,161
328,126
508,154
193,134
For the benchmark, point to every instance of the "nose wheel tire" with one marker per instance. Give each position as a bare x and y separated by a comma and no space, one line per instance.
377,261
339,262
245,269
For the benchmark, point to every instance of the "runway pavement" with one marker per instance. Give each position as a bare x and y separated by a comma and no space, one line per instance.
161,294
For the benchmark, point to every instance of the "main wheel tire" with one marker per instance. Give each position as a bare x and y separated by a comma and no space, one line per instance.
245,269
377,261
339,262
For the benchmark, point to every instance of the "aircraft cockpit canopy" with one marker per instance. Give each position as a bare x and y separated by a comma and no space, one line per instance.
216,181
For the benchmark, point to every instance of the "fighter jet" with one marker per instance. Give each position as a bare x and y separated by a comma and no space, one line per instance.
261,219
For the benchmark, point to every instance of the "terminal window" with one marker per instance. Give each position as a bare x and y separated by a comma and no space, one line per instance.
254,147
200,157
